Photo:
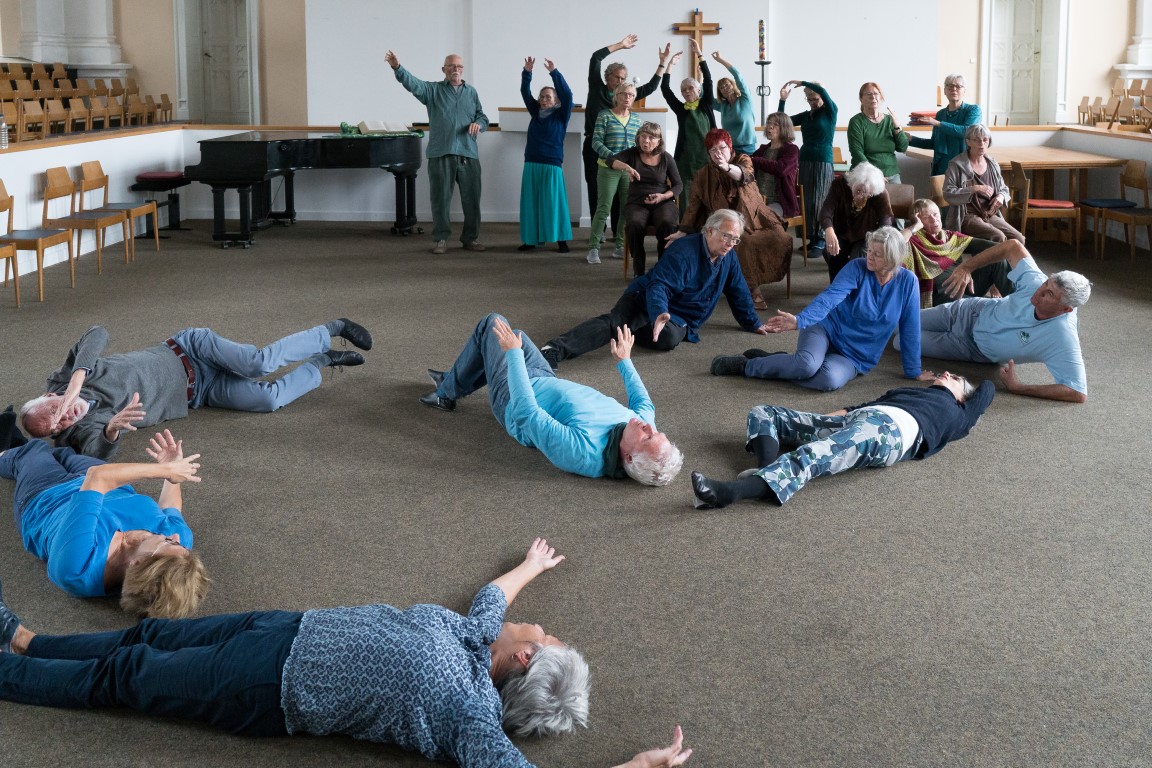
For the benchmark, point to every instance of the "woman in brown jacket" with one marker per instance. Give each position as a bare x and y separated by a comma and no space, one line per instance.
729,181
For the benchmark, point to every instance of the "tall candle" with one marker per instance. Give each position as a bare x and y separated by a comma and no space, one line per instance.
763,52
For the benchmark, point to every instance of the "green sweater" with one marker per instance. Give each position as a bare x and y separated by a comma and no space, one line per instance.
877,143
817,127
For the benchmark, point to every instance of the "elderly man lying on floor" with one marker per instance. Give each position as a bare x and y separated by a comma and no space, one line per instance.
579,429
905,423
425,679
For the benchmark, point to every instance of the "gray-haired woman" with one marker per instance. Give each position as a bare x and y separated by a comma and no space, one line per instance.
694,118
857,204
425,679
976,191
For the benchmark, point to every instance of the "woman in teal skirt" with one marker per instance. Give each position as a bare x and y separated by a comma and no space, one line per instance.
544,214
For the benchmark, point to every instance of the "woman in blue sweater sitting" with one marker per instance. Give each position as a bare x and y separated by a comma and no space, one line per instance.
844,330
544,216
902,424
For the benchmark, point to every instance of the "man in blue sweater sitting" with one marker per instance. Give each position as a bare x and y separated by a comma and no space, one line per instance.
668,304
579,429
905,423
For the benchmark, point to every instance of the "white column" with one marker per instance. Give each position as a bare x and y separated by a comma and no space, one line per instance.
75,32
1140,51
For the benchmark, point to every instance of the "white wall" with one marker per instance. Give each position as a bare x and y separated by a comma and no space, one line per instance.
346,37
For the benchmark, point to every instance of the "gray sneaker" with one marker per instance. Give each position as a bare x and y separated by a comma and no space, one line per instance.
593,255
617,253
475,245
441,246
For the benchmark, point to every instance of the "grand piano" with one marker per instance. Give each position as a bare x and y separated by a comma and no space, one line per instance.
247,162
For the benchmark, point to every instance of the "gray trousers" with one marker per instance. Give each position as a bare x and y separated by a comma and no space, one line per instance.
443,172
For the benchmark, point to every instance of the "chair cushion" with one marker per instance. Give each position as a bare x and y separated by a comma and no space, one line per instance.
1050,203
1107,202
1138,213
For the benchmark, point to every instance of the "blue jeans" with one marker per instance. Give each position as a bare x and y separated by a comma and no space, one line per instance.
224,671
482,362
816,364
36,467
827,445
227,373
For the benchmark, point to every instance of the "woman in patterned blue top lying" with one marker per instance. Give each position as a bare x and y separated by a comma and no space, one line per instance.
426,679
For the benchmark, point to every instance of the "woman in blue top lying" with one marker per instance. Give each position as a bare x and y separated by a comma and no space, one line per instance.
844,330
97,534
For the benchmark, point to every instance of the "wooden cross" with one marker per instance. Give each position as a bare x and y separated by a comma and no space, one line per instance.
696,28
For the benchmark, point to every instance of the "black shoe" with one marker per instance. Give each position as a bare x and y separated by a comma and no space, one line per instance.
526,247
357,334
728,365
433,400
552,355
341,359
704,492
10,434
9,623
436,376
562,246
752,354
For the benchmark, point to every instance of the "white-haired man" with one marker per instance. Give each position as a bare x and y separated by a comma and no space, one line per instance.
91,399
1036,324
579,429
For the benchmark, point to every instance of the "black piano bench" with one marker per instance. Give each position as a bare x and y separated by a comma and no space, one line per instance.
163,181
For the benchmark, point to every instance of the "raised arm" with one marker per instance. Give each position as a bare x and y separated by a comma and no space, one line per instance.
164,448
957,283
540,558
106,477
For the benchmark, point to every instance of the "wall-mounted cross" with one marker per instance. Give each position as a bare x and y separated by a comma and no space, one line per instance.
696,28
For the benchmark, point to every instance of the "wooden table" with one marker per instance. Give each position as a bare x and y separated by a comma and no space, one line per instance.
1044,162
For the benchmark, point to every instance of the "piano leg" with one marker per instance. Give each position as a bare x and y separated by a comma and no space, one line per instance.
406,205
219,229
288,215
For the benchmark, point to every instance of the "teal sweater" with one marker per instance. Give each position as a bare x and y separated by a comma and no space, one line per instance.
738,119
817,127
450,111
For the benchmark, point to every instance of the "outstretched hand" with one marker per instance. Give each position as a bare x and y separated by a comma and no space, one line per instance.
182,470
164,448
124,419
628,41
695,46
549,65
664,53
542,556
658,326
665,757
783,321
392,60
621,346
505,336
529,62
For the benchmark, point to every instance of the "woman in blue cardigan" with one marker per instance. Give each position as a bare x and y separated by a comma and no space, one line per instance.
544,216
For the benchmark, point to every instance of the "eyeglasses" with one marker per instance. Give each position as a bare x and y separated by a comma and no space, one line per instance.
730,239
167,540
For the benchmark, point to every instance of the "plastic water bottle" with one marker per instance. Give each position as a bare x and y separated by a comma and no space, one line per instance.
3,134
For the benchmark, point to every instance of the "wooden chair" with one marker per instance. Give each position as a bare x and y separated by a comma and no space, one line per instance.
82,89
801,221
901,197
1118,89
1133,170
58,71
1097,115
31,123
97,113
937,195
115,87
93,179
153,109
837,156
56,117
65,89
79,117
1027,208
130,85
111,109
99,88
165,108
1137,179
1084,111
11,117
39,71
7,91
136,112
60,186
24,90
33,240
8,254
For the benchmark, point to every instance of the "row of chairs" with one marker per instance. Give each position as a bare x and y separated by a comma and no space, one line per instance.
88,209
1126,110
63,88
1135,88
15,71
32,120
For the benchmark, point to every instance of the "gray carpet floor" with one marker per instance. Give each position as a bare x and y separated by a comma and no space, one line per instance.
988,606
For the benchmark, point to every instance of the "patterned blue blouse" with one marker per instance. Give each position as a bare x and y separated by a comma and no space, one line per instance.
417,678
